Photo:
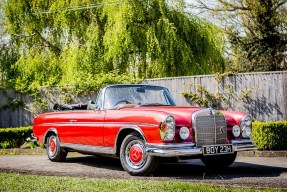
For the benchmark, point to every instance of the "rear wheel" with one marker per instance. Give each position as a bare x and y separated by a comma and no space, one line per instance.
54,151
219,161
134,159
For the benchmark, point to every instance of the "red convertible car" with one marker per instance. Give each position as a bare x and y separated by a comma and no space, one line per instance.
142,125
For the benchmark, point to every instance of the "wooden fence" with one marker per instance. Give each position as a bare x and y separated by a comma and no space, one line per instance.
13,117
266,102
23,116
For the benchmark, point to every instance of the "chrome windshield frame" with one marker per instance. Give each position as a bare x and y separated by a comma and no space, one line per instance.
104,90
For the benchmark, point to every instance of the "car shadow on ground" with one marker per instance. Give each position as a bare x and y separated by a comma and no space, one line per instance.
194,169
187,169
97,161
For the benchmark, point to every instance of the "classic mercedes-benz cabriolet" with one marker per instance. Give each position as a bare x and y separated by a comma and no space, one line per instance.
142,125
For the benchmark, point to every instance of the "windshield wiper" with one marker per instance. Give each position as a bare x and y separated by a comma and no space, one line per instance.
154,104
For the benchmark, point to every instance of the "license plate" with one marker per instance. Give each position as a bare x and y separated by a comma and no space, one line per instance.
217,149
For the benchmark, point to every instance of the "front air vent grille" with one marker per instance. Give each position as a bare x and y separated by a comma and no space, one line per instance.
210,129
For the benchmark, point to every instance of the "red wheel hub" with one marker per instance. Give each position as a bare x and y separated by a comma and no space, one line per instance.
136,154
52,145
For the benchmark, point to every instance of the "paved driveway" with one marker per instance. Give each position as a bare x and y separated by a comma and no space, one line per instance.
246,171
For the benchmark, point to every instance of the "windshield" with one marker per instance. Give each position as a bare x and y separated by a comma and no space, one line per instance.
143,95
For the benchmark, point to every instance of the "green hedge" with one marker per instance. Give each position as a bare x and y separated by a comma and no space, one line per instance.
14,137
270,135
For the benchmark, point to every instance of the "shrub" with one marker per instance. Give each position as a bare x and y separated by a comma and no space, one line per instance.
5,144
14,137
270,135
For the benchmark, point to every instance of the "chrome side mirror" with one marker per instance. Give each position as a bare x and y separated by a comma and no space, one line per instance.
92,105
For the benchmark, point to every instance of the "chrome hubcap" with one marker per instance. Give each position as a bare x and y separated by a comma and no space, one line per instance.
52,146
135,154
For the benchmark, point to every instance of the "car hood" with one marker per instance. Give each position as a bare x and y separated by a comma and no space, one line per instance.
182,114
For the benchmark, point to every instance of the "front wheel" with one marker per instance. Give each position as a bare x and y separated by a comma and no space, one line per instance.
134,159
54,151
219,161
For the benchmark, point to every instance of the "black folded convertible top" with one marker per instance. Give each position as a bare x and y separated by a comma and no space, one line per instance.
65,107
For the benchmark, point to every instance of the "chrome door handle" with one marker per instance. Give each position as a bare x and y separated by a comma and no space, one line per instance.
73,120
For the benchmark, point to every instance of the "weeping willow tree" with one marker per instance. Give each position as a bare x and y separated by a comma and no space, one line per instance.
83,42
8,56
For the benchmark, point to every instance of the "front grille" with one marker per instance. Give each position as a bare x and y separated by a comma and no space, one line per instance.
210,130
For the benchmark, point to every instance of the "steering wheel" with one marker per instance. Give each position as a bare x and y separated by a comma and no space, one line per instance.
122,101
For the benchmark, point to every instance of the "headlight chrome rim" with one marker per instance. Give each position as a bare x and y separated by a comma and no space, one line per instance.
167,128
169,134
170,122
236,131
184,133
246,120
245,125
246,132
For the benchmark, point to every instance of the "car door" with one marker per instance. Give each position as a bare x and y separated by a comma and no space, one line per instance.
86,127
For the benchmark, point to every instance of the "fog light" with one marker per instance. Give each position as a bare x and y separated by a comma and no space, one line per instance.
236,131
184,133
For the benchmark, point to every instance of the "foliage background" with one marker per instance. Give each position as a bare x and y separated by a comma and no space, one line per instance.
255,29
81,46
90,43
14,137
270,135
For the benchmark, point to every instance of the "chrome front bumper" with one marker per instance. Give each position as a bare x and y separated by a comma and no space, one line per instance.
189,149
243,145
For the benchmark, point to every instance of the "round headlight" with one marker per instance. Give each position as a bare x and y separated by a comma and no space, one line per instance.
236,131
170,122
184,133
167,128
246,120
169,134
246,132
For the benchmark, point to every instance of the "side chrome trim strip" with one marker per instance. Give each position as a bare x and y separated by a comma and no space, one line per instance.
103,123
89,148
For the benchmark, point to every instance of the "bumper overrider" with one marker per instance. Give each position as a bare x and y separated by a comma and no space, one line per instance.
189,149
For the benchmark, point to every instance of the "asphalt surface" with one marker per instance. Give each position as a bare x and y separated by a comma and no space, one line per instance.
246,171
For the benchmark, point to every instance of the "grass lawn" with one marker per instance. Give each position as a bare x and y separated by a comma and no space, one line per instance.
22,182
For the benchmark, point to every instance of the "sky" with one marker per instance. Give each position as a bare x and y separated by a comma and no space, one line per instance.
201,14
